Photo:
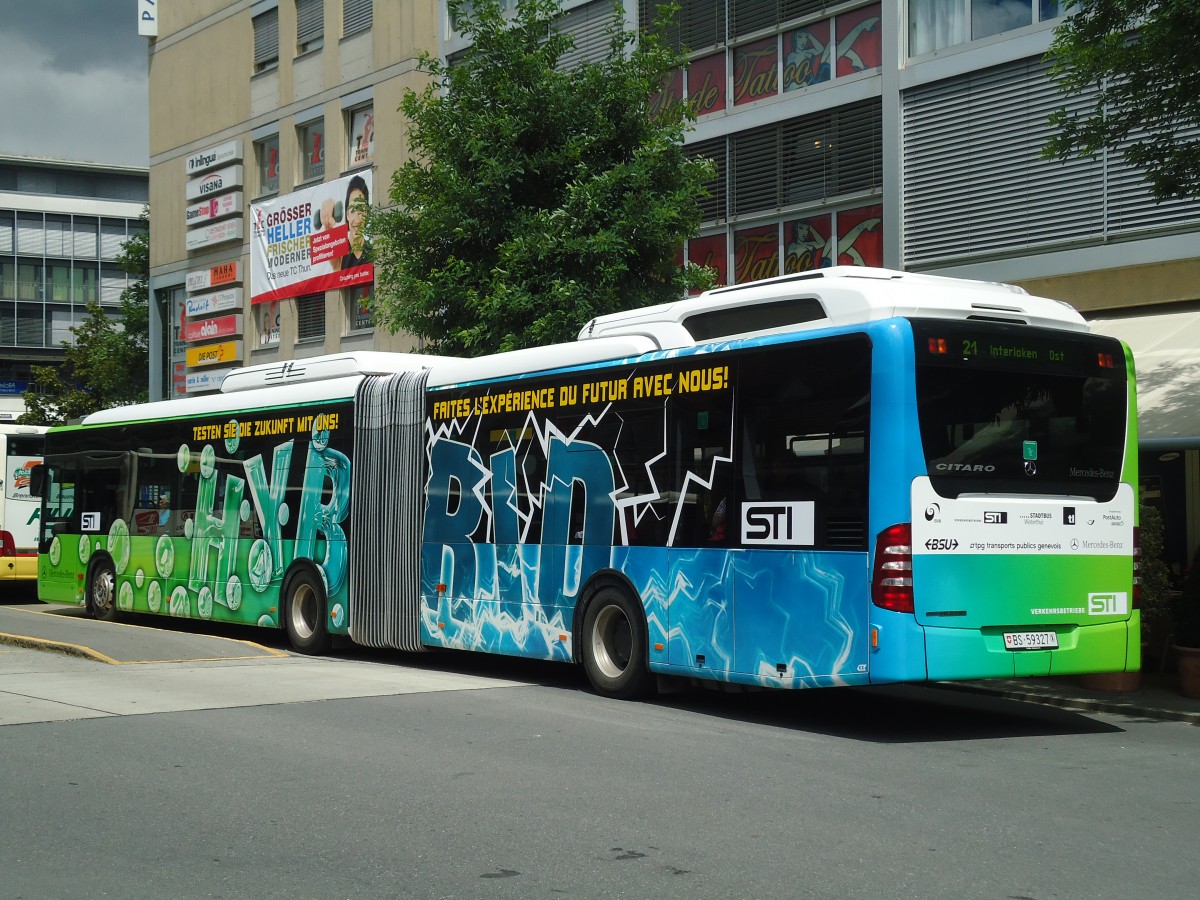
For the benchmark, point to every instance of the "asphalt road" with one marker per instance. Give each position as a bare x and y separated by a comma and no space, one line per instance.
383,775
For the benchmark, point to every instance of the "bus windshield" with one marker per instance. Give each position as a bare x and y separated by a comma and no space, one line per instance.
1009,409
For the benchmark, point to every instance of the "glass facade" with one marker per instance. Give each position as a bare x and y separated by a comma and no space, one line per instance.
53,263
51,267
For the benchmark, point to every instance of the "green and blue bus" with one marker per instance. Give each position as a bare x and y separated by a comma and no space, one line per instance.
846,477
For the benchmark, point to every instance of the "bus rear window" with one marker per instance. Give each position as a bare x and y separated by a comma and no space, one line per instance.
1018,410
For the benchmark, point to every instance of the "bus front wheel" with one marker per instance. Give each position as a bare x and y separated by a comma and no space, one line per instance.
614,646
102,591
305,614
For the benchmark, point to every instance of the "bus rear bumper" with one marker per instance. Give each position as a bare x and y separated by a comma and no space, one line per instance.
958,653
18,568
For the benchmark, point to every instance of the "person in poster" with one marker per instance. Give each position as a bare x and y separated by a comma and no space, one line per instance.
357,198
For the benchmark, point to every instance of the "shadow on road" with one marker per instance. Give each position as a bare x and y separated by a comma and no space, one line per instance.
888,714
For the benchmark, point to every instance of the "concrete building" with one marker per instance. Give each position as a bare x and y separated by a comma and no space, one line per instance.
62,226
904,134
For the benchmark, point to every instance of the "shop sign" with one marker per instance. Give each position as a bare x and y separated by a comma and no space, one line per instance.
224,353
217,233
207,329
219,155
214,208
225,273
218,301
206,380
215,183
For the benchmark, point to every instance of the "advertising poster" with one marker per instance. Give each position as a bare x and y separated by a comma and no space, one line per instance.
806,56
268,328
755,253
808,244
860,42
755,68
310,241
362,136
860,236
710,252
706,84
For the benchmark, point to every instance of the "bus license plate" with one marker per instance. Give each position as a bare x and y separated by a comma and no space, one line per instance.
1031,640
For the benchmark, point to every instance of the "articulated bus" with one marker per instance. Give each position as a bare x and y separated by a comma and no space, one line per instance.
846,477
20,450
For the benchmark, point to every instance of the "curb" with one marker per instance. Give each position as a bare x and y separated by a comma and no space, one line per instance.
1084,704
31,643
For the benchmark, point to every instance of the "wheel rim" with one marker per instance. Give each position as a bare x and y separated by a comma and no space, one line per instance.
612,641
303,612
102,592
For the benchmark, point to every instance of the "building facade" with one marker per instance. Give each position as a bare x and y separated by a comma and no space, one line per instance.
62,227
905,134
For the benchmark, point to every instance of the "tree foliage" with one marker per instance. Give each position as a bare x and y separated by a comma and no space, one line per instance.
108,363
1141,54
538,196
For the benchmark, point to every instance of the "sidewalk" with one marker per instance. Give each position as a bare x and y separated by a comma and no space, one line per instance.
65,629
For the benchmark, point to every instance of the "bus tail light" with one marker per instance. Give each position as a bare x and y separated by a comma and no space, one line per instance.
891,580
8,545
1137,568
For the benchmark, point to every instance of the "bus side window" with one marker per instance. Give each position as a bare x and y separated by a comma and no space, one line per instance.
803,437
704,472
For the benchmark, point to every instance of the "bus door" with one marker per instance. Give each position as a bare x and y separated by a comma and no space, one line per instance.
699,581
799,535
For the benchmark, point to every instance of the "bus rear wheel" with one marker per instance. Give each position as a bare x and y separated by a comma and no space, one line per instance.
304,614
614,646
102,591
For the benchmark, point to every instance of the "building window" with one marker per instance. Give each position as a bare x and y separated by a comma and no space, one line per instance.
85,281
934,24
356,16
358,311
31,327
268,323
266,40
310,25
310,317
112,284
85,237
266,157
29,280
112,238
312,150
6,230
360,135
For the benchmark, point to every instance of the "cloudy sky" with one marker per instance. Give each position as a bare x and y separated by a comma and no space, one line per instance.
73,81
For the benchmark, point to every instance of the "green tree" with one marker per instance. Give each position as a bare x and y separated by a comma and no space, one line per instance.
1141,56
537,197
108,363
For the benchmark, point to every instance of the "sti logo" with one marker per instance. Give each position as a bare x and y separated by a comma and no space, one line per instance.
995,518
1110,604
90,521
782,524
1068,515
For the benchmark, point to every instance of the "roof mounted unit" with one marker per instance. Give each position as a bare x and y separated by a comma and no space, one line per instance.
840,295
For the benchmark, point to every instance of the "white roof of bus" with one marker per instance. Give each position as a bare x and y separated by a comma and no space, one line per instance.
847,294
281,395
